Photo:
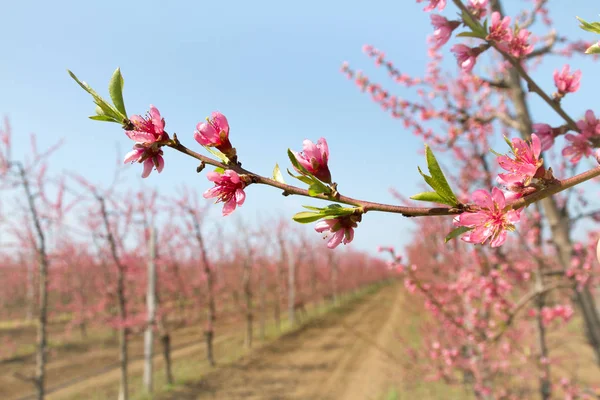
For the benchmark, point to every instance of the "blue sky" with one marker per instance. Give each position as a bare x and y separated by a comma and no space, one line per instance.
271,67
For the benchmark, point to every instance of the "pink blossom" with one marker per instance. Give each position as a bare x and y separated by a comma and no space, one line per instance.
340,229
589,126
565,81
466,56
578,148
148,134
519,45
440,4
525,163
148,129
443,29
314,158
229,189
499,28
142,155
546,135
214,132
478,8
491,221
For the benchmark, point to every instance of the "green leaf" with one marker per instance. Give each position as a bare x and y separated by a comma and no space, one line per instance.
431,197
590,27
472,34
316,188
312,208
115,89
277,174
337,210
306,217
436,173
593,49
217,154
470,22
456,232
106,108
104,118
220,170
301,178
434,185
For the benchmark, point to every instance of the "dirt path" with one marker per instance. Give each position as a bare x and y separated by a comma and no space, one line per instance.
337,356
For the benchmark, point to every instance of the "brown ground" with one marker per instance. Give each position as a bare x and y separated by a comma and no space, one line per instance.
336,356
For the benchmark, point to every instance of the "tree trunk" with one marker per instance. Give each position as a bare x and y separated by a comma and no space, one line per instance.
123,356
42,259
30,291
121,301
292,293
210,309
40,373
166,343
334,279
246,283
151,310
262,289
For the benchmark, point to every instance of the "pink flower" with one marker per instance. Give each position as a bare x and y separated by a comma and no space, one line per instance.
214,132
478,8
499,28
443,29
589,126
466,56
565,81
525,163
148,134
314,158
519,45
149,159
440,4
546,135
578,148
491,221
340,229
149,129
229,189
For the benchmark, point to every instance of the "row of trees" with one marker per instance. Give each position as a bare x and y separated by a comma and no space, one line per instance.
136,261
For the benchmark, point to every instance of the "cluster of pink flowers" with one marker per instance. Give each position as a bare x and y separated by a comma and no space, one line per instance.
514,42
148,134
549,314
491,222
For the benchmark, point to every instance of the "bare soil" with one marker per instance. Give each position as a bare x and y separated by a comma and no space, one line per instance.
345,354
